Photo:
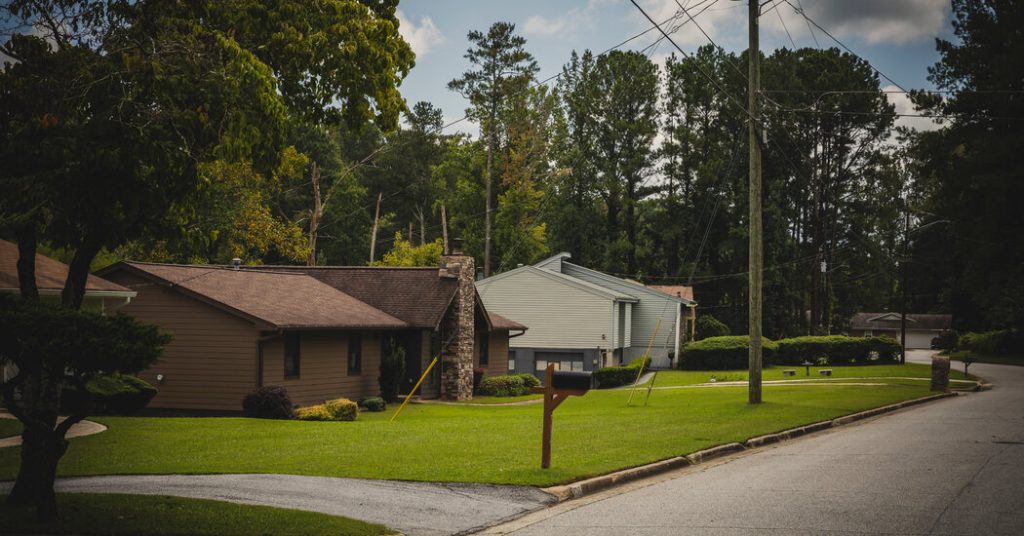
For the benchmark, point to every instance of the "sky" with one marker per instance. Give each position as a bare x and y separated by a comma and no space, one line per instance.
896,36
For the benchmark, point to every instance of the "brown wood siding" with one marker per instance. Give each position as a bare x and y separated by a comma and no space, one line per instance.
210,363
497,352
323,368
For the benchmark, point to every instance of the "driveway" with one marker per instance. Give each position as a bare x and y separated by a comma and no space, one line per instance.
414,508
950,467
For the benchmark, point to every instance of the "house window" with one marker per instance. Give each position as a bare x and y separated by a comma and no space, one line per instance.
511,361
868,333
291,355
355,353
484,349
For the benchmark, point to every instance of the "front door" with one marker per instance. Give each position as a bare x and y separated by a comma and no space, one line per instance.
412,343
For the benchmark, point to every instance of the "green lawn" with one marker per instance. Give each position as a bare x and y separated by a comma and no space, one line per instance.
9,427
994,359
489,400
114,514
593,434
692,377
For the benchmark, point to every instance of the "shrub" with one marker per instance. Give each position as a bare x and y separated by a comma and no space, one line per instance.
342,409
529,380
1002,342
392,370
608,377
111,394
373,403
268,402
313,413
478,374
709,326
504,386
946,340
887,348
837,350
723,353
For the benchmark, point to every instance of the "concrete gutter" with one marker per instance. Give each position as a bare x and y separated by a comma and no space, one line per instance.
591,485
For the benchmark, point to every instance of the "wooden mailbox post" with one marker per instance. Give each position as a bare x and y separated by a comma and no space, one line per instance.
557,387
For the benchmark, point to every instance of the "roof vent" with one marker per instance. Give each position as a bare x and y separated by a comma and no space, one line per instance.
236,263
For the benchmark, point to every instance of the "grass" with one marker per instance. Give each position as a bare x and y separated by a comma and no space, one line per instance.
593,434
910,370
489,400
993,359
116,514
9,427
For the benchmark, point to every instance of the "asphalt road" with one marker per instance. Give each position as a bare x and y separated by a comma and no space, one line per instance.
955,466
414,508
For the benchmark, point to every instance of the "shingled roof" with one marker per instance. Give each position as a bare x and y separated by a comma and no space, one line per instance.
50,274
915,321
279,299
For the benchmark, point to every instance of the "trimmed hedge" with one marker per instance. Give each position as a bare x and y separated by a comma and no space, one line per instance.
340,409
723,353
838,350
268,402
373,403
608,377
505,385
1001,342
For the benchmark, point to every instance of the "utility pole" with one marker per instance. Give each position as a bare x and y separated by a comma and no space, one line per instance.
755,255
903,284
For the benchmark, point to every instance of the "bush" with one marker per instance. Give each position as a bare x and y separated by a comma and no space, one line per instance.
946,340
392,370
268,402
709,326
1002,342
478,374
723,353
342,409
529,380
838,350
608,377
373,403
887,348
504,386
111,394
313,413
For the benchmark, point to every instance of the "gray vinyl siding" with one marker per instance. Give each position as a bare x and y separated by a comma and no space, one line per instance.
557,314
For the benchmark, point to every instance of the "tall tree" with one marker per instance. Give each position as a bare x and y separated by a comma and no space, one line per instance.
503,67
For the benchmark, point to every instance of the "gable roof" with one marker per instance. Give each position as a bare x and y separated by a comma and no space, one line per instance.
50,275
611,282
501,323
915,321
272,299
563,279
417,296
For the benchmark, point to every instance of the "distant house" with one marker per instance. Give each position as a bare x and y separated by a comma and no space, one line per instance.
100,295
583,319
921,328
318,331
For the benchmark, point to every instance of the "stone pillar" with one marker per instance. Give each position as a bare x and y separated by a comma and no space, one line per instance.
458,334
940,373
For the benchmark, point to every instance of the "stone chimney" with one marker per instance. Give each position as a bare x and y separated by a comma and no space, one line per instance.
458,326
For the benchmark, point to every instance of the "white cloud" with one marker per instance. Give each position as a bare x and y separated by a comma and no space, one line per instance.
422,37
880,21
541,26
903,106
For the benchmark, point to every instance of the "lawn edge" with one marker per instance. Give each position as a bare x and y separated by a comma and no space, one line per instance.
575,490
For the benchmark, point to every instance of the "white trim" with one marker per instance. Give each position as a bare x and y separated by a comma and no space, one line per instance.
561,278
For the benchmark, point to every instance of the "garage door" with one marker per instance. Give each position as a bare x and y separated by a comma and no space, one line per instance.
562,360
919,339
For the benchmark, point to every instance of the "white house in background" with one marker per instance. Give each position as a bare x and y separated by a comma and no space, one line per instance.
583,319
921,328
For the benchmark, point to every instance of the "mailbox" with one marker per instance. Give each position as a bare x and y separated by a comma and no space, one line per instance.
571,381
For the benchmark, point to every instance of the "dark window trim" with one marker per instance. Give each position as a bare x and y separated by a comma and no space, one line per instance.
288,341
355,339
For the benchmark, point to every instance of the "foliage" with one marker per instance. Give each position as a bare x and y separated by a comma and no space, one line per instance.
268,402
529,380
318,412
608,377
1000,342
111,394
947,340
404,253
503,386
373,403
709,326
342,409
392,370
837,349
723,353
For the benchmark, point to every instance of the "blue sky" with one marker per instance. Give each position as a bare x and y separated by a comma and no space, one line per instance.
896,36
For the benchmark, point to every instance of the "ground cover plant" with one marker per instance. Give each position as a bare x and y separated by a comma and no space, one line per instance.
153,515
593,434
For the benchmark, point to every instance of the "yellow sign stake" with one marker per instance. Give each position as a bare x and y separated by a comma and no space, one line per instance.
646,356
409,396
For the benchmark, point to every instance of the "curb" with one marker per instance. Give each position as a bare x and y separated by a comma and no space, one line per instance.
591,485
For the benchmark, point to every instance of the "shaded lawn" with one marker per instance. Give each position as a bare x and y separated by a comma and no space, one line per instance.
593,434
10,427
993,359
692,377
489,400
116,514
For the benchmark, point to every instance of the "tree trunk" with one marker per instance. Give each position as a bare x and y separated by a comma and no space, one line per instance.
423,225
373,232
444,228
27,244
314,215
78,275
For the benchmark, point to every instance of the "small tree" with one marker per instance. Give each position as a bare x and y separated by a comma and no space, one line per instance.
392,370
63,347
404,253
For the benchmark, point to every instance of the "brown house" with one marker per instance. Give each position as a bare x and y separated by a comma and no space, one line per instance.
318,331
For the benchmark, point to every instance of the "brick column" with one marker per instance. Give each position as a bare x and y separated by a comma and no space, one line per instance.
458,334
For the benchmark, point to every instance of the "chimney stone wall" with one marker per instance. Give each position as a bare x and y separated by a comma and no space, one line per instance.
458,334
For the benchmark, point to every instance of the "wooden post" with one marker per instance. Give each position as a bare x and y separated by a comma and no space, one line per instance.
755,251
552,399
